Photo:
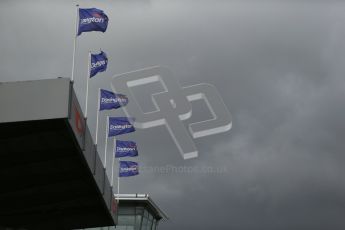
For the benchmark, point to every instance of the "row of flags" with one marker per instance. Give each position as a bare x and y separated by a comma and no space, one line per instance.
93,19
118,126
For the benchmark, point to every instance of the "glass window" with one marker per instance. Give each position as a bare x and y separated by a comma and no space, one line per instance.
127,211
145,220
154,222
126,220
149,224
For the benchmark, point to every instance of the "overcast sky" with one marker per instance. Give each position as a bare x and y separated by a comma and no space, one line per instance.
279,66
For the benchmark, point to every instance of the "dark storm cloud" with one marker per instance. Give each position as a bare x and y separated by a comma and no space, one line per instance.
278,66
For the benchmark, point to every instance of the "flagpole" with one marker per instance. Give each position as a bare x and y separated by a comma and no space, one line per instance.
118,181
87,82
75,41
112,164
106,143
97,121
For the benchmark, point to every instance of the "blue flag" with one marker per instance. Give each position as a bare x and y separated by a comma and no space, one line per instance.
110,100
120,125
92,19
128,168
99,63
126,149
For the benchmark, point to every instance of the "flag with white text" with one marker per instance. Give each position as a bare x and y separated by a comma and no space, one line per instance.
92,19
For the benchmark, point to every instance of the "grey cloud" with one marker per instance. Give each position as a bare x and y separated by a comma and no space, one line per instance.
279,67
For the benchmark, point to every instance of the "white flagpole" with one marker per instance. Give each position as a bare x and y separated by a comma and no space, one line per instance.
97,121
75,41
118,181
106,143
112,164
87,82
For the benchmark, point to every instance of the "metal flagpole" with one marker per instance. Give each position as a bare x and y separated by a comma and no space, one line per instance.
87,82
112,164
118,181
106,142
75,41
97,121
